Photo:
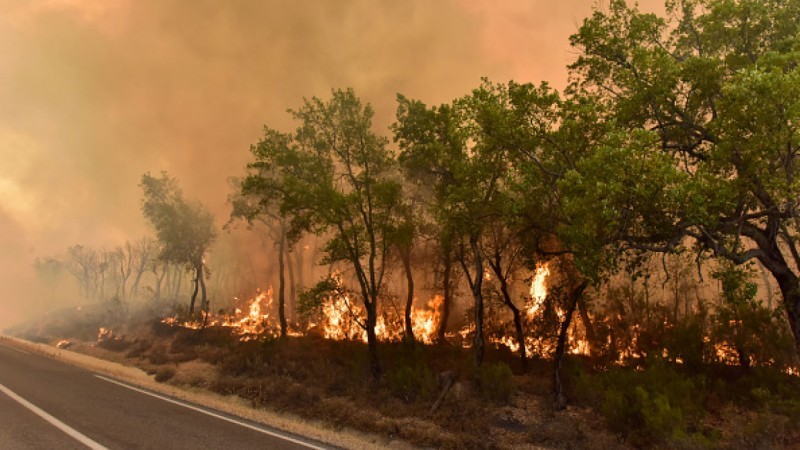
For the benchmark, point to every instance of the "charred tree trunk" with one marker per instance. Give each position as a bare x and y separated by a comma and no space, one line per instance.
790,290
204,294
372,339
282,281
447,295
292,285
405,255
198,272
476,285
773,260
496,264
575,295
298,279
523,356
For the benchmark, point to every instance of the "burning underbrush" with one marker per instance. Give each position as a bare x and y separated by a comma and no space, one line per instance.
332,313
632,367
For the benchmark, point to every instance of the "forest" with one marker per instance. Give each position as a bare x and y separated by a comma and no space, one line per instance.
626,247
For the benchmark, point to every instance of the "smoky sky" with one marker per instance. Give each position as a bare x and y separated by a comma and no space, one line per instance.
95,93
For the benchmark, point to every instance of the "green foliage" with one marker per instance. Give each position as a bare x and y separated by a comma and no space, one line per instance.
411,380
184,229
311,299
495,381
745,327
650,406
333,176
701,114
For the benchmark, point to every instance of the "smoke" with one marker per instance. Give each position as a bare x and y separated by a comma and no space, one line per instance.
95,93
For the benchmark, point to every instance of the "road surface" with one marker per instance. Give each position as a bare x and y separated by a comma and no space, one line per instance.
47,404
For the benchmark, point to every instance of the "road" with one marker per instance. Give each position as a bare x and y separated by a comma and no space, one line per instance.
47,404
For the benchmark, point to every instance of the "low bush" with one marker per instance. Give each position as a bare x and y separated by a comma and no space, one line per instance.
495,381
164,373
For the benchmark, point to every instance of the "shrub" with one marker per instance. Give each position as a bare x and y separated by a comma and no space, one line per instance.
495,382
164,373
651,406
410,383
158,355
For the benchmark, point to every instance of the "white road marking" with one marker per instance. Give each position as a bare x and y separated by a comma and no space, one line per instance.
15,348
215,415
53,421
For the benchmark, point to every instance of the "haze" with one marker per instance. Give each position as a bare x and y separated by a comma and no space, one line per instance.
95,93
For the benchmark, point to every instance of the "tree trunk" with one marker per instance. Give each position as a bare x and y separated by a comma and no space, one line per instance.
405,255
194,294
202,278
477,294
446,297
790,290
372,339
788,282
517,321
282,281
298,283
575,295
292,285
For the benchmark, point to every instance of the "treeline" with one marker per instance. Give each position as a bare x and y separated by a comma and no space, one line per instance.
126,272
676,137
673,136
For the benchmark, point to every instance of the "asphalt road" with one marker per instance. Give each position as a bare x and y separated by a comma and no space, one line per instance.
46,404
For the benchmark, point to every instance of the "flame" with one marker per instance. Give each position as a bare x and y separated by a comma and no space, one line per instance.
342,318
255,323
426,321
542,345
538,289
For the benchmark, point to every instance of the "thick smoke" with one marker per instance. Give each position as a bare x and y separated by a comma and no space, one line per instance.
95,93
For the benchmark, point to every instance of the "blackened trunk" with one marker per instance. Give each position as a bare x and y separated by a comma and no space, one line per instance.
477,294
282,282
446,297
788,283
575,295
292,300
372,339
202,278
517,322
790,290
196,287
406,257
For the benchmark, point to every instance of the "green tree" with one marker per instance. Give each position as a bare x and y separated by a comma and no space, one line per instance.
337,178
444,147
706,108
246,205
184,229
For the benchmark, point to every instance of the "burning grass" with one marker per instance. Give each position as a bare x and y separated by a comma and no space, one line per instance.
658,383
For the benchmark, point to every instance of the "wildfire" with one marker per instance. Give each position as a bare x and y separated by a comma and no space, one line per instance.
426,321
248,326
341,318
538,289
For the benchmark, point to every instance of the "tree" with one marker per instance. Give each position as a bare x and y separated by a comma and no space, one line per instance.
444,147
705,112
184,229
246,205
335,177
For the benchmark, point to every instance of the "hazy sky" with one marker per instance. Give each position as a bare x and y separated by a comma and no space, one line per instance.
93,93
